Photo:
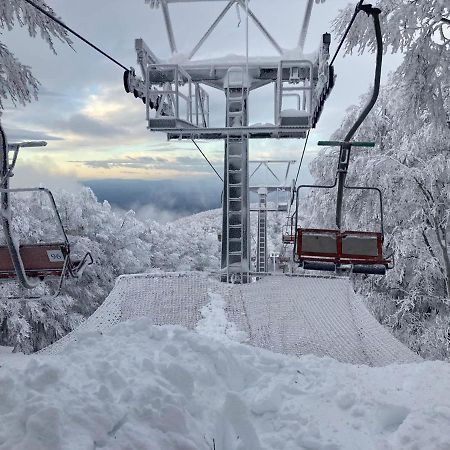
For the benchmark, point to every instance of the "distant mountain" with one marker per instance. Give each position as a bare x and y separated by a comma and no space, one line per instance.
179,197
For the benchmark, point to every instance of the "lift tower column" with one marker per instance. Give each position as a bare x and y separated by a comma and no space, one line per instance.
235,263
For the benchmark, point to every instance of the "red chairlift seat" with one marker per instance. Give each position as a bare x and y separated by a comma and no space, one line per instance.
359,251
288,238
43,260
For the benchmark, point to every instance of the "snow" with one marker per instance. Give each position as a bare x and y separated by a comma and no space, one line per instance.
214,322
237,59
137,385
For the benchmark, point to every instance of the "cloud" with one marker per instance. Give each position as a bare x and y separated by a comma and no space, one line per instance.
83,125
181,163
43,174
152,212
126,162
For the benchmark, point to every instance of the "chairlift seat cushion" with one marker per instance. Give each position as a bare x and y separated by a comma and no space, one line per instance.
361,245
316,242
39,260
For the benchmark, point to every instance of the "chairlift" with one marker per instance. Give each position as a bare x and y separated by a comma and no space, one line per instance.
337,249
31,263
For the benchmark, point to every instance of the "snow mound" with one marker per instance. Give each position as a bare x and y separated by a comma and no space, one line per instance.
138,386
292,315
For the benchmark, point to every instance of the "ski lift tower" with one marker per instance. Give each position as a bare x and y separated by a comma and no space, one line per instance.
283,190
177,104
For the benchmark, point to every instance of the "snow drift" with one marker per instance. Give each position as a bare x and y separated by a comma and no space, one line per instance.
138,386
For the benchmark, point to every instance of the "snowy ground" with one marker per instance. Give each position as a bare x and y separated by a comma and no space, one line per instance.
138,386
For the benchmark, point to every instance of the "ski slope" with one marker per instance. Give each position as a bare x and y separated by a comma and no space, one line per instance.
291,315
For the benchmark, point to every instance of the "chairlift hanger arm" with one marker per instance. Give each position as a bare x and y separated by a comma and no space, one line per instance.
344,154
305,25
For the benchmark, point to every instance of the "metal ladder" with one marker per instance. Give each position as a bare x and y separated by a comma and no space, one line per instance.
237,210
261,257
236,94
235,245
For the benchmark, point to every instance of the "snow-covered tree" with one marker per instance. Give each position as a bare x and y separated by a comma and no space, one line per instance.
119,244
17,83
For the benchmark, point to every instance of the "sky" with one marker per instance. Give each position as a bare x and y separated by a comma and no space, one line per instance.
95,130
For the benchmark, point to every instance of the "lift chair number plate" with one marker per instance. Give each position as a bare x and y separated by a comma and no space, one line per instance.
55,255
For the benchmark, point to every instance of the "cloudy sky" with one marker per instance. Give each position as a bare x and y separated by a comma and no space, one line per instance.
97,131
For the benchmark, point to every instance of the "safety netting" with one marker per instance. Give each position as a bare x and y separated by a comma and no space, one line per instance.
286,314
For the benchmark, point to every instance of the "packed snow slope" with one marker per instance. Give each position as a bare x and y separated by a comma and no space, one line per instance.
139,386
292,315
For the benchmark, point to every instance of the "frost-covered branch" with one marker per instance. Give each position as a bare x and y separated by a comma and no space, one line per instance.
16,80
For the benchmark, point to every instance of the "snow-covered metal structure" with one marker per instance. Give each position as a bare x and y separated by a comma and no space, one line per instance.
283,190
177,104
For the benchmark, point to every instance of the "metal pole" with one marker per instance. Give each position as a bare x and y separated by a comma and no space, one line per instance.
165,10
305,26
263,29
210,30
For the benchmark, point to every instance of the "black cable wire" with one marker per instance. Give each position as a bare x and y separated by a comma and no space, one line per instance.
50,16
207,160
299,167
303,154
349,26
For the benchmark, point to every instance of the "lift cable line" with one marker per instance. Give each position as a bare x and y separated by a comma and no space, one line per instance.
59,22
298,173
301,158
349,26
206,159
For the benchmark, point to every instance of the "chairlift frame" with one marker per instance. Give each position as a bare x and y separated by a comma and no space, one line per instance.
336,250
27,263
